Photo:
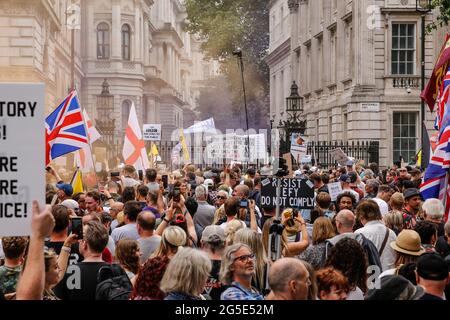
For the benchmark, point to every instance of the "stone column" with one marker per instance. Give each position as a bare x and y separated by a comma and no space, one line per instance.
116,35
294,12
146,42
137,33
92,33
364,45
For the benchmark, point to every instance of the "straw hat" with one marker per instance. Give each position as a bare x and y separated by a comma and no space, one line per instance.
408,242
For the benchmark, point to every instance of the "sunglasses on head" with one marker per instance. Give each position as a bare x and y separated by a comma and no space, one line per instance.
221,197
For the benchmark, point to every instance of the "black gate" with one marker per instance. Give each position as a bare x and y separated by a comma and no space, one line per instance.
369,151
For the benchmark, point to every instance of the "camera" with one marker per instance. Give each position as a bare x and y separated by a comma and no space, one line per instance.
243,203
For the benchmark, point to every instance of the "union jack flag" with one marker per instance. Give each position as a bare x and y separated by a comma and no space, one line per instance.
64,129
436,178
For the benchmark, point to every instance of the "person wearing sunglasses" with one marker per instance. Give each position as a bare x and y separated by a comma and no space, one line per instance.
236,271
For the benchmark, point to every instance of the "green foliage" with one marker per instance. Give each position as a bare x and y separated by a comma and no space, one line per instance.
225,25
444,14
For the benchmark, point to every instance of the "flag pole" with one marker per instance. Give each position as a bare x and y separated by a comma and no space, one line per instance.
89,144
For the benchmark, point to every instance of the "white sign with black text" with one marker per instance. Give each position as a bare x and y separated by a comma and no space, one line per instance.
22,155
151,132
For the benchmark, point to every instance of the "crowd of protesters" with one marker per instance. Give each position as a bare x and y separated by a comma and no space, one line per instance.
203,234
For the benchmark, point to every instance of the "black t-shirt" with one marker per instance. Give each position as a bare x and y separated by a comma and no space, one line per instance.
214,287
79,282
75,255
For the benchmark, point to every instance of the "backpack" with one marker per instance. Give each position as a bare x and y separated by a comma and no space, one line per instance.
113,284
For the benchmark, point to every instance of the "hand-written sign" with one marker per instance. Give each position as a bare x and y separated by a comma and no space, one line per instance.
334,189
151,132
22,152
294,193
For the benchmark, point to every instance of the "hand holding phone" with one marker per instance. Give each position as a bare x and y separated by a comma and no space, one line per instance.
77,227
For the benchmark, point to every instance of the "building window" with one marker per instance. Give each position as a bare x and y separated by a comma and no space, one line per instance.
126,42
282,20
126,106
103,41
330,128
344,127
405,136
403,48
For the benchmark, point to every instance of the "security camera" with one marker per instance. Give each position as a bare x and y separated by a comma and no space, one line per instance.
408,90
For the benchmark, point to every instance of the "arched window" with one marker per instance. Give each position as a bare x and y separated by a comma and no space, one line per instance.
126,105
103,41
126,42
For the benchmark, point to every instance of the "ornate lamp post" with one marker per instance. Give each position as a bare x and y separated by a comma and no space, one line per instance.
105,121
423,7
294,122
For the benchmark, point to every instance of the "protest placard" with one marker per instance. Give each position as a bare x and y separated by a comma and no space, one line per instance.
22,155
294,193
334,189
339,156
299,147
151,132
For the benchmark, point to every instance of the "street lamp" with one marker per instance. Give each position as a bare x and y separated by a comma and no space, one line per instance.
293,123
423,7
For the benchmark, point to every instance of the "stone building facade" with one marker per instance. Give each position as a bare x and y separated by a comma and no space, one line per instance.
358,65
138,46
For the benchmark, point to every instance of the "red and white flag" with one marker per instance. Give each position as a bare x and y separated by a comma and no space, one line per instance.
83,157
134,152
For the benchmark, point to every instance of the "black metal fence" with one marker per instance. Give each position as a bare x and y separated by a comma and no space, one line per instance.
369,151
320,152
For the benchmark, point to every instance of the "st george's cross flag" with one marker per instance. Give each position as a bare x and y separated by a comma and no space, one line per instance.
134,152
64,129
83,157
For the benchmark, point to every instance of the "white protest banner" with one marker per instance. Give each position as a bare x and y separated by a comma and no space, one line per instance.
334,189
306,159
299,147
22,155
339,156
151,132
202,126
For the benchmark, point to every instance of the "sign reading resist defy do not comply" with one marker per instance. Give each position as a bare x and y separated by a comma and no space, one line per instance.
22,152
294,193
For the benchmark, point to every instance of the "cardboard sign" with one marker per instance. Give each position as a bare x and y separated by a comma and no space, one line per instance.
294,193
299,147
339,156
22,155
151,132
334,189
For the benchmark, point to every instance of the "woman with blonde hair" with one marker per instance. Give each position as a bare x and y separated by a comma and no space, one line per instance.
316,254
186,275
172,238
288,249
230,230
254,241
394,218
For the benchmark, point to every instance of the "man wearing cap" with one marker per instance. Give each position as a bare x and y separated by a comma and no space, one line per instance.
64,192
432,274
413,200
345,183
393,287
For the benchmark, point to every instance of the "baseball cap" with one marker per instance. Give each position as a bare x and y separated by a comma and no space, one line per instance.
213,233
393,287
70,204
344,178
431,266
208,182
67,188
411,192
349,163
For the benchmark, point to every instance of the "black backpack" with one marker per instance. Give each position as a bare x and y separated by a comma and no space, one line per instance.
113,284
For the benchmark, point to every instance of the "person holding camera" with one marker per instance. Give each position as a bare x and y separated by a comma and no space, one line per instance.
242,192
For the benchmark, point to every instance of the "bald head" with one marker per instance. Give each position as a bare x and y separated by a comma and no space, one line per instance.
146,221
117,206
283,272
345,220
242,191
